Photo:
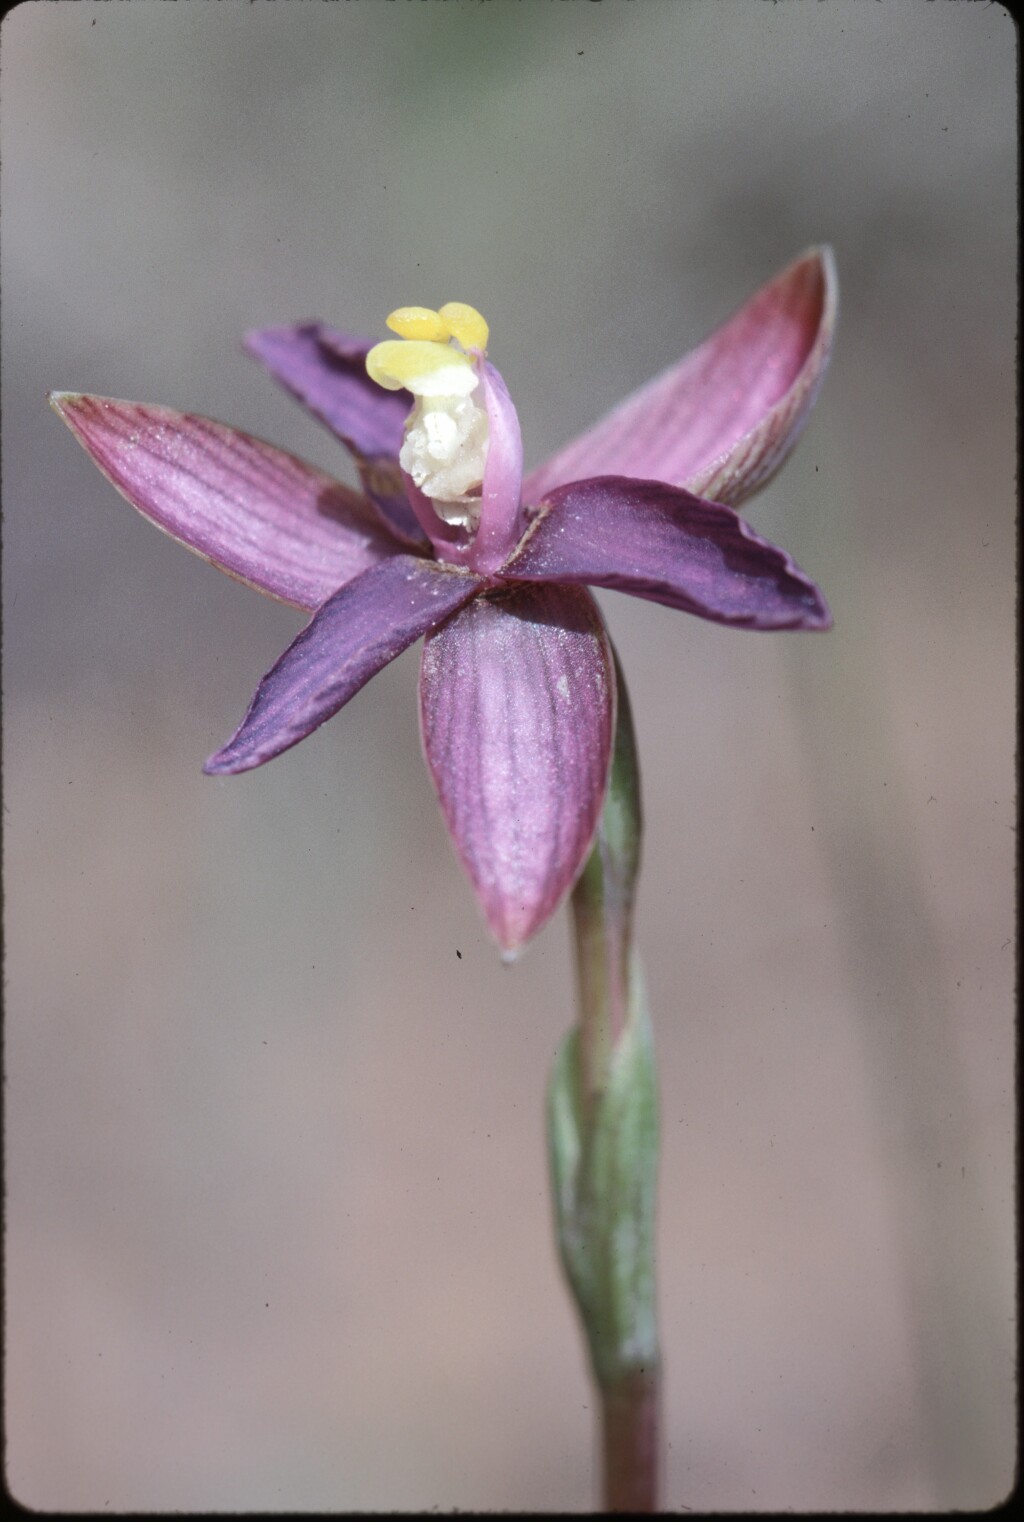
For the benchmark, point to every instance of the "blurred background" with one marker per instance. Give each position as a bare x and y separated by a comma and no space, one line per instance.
278,1226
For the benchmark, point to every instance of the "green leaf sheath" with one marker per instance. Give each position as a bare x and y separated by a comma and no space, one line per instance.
602,1100
604,1175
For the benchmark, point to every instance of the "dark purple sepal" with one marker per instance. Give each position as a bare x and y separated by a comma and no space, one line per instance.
517,712
326,371
664,544
356,633
260,514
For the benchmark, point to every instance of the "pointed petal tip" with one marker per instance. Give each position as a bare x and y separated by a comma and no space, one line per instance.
231,760
821,254
824,253
253,339
238,756
64,402
73,406
513,931
815,616
217,765
513,935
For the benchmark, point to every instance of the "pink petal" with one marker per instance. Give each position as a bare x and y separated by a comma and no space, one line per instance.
517,699
257,513
326,371
664,544
723,419
356,632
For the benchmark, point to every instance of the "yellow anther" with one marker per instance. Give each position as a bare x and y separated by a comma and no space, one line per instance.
424,368
419,322
465,324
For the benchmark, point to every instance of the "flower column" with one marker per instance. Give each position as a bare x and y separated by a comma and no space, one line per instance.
603,1138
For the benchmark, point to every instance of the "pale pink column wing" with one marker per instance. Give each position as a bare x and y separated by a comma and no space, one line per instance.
502,520
723,419
517,706
664,544
347,641
252,510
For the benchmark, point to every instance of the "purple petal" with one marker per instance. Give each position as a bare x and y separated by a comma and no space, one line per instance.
258,513
356,632
326,371
664,544
502,520
517,698
723,419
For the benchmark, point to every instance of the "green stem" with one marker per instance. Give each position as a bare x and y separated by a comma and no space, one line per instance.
602,908
603,1139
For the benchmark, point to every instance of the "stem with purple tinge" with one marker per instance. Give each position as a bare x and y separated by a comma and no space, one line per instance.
603,1137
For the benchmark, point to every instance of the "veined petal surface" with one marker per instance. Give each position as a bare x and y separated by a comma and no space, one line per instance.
664,544
723,419
348,640
258,513
517,709
326,371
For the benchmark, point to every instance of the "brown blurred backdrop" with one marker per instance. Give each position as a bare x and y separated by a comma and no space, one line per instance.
278,1227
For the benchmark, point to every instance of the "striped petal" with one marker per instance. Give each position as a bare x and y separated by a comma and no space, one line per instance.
666,545
258,513
326,371
517,698
356,633
723,419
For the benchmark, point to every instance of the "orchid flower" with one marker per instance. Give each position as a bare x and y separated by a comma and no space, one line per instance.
449,541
